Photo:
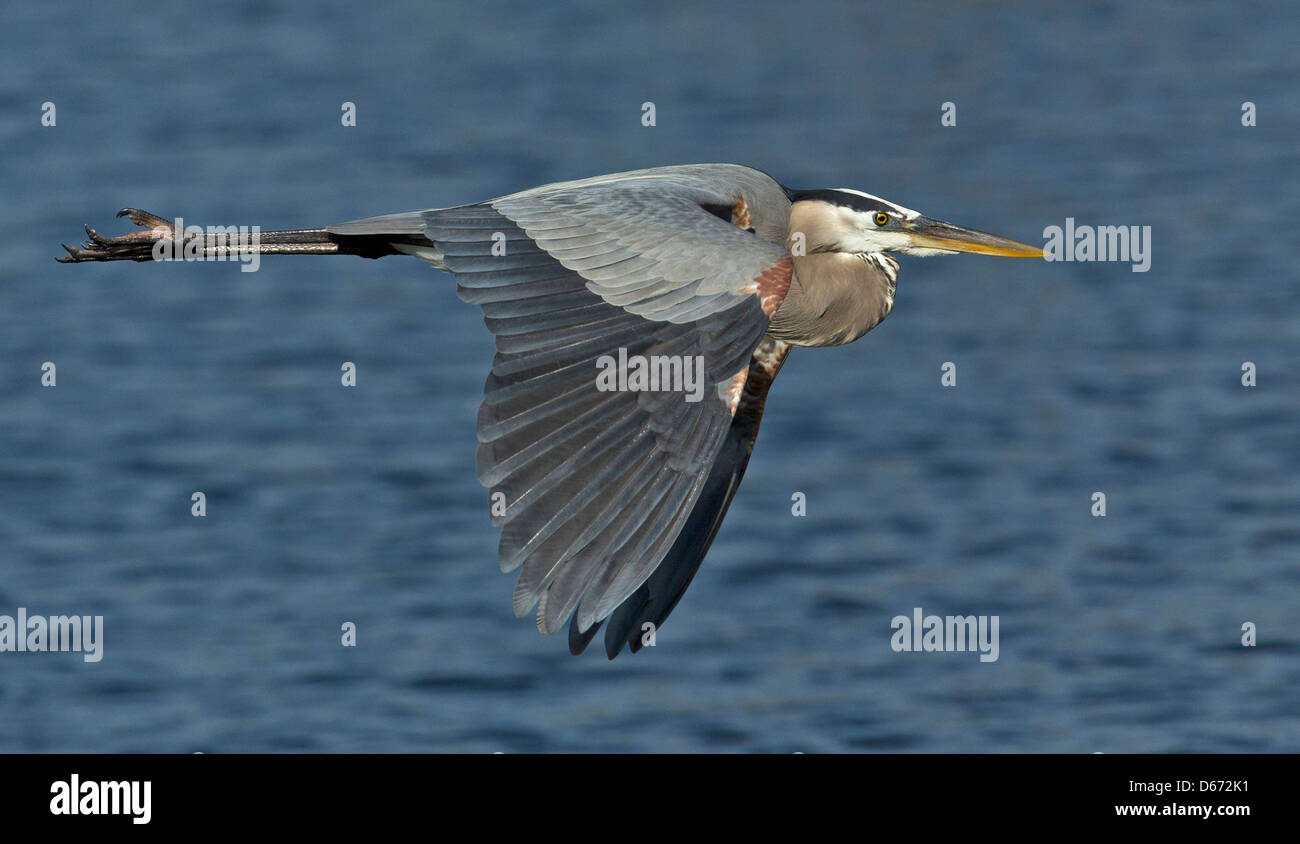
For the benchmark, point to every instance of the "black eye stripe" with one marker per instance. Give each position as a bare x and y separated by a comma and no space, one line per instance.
842,199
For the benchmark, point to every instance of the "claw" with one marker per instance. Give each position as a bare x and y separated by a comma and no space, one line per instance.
145,219
75,255
133,246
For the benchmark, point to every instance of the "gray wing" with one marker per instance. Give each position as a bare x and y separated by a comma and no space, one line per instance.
597,485
656,598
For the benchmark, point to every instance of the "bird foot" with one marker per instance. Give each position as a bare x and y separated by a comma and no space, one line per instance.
136,246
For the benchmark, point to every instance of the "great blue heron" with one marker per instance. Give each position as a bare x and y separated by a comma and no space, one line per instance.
609,498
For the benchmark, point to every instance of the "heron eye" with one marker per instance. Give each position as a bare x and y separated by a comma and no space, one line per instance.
881,218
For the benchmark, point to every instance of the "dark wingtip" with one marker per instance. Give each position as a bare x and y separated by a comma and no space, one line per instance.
579,640
624,627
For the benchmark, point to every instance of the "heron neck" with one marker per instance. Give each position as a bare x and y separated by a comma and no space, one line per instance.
835,298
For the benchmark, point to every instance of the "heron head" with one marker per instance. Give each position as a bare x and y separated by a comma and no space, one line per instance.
844,220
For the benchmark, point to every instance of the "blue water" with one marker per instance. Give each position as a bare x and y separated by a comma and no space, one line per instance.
328,505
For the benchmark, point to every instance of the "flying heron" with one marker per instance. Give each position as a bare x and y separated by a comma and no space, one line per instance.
609,491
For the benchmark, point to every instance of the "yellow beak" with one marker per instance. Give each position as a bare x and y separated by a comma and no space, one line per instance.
936,234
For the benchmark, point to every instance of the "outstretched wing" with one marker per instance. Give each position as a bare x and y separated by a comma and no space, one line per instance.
672,263
658,596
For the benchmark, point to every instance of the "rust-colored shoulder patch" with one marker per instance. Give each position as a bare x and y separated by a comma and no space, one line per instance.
773,284
740,214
